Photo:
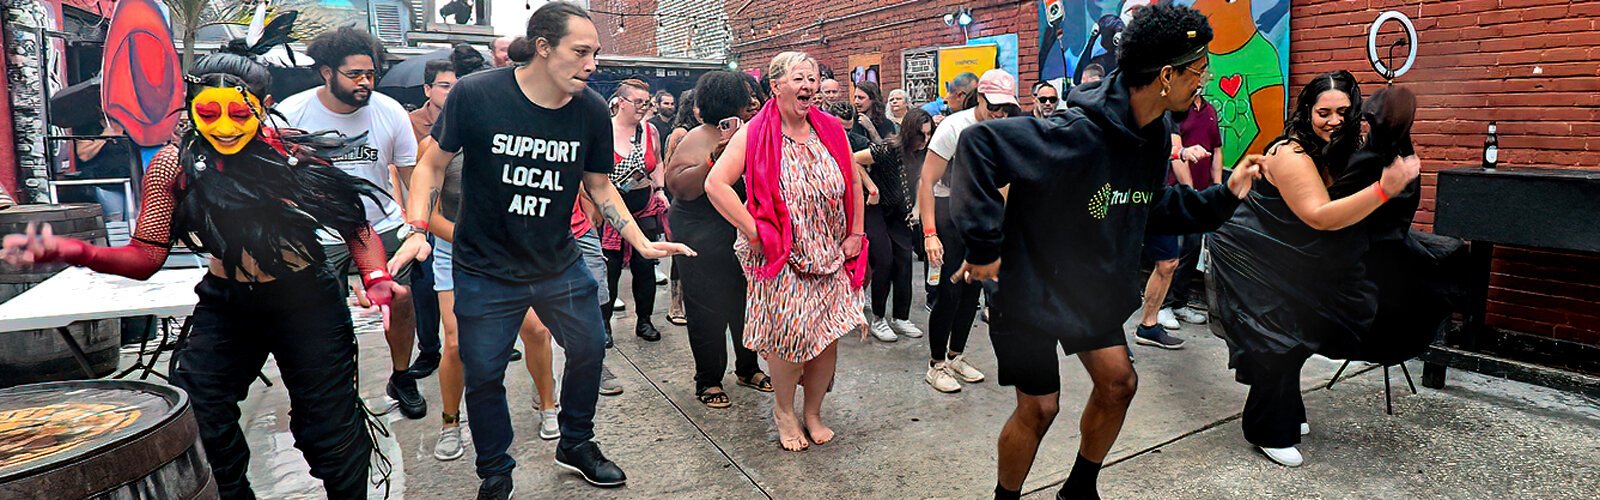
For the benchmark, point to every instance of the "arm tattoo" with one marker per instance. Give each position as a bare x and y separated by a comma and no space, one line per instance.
613,217
433,200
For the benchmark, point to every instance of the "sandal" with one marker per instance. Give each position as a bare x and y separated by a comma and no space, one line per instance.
763,385
715,400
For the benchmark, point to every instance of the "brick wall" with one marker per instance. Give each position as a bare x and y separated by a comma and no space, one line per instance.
887,28
639,39
1531,65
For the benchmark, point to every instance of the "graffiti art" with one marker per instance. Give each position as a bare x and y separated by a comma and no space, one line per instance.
1249,56
142,85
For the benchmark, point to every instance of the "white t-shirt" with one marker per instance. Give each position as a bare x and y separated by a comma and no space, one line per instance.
389,142
944,141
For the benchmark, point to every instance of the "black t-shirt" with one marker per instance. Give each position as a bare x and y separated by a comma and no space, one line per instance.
520,175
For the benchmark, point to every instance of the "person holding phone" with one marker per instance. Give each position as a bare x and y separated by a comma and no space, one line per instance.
635,144
715,303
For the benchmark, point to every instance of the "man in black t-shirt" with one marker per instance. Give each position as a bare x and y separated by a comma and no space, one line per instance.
529,134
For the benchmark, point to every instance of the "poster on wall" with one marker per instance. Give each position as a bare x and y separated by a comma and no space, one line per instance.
1007,50
865,68
1249,58
957,60
919,70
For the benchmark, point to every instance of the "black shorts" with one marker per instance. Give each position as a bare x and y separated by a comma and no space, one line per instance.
1028,359
1162,247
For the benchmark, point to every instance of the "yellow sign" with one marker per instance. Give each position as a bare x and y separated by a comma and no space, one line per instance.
957,60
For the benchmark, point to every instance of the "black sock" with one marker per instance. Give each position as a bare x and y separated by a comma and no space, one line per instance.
1082,481
1001,493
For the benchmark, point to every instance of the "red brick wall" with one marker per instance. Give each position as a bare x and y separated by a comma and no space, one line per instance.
1531,65
639,39
915,24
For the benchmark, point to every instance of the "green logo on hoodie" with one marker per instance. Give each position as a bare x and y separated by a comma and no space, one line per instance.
1100,204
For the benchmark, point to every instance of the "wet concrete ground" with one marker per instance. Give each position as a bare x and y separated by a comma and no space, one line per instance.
1478,438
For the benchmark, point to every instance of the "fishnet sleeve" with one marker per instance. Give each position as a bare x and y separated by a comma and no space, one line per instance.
366,248
152,237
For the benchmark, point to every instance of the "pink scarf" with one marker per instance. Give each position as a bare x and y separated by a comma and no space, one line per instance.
764,175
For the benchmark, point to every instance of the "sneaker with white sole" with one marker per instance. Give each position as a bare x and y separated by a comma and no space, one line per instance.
661,278
1167,319
905,327
1287,457
881,331
549,428
939,377
619,305
1155,335
959,367
1189,315
609,385
449,446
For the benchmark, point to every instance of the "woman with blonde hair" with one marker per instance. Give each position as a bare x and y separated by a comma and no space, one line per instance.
800,241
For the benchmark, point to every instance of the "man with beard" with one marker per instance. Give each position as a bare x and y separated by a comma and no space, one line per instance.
500,47
665,109
345,103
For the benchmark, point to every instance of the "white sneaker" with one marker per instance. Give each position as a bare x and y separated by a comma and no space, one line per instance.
661,278
882,332
905,327
959,367
939,377
548,428
1167,319
1190,316
618,305
1287,457
449,446
1305,428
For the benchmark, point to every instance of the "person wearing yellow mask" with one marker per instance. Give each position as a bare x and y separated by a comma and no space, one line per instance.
253,199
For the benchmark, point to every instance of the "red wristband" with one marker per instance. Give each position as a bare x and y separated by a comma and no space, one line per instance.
1382,196
374,277
421,225
930,231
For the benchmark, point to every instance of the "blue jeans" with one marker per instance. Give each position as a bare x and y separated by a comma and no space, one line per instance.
489,312
594,258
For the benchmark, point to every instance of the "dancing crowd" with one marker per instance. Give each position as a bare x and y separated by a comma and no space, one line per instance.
790,205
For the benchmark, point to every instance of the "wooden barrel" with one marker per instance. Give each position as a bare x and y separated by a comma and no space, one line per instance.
101,439
40,355
81,221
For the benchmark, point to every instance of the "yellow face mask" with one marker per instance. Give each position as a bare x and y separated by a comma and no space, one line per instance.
226,117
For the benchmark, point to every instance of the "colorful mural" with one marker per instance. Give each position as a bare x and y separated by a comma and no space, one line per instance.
1249,58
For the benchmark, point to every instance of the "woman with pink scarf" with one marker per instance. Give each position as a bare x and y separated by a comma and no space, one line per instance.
800,241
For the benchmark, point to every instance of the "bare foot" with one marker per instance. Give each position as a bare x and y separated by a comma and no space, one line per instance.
820,433
790,436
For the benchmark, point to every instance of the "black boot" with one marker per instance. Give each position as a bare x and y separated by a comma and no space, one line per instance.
647,331
403,388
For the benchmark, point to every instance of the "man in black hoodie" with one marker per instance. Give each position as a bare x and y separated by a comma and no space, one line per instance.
1085,185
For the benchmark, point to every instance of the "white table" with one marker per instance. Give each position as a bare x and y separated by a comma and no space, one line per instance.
78,294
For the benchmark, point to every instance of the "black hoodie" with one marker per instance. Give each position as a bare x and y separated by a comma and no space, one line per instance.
1085,183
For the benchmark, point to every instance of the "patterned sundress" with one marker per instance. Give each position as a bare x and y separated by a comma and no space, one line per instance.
810,304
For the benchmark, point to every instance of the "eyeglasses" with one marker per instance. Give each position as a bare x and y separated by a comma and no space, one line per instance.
1205,75
639,104
356,75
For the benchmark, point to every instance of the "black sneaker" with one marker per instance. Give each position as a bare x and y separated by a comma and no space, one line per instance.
1155,335
586,460
403,388
425,365
496,488
516,356
647,331
609,343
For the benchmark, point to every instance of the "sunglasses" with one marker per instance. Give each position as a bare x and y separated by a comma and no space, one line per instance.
356,75
1048,100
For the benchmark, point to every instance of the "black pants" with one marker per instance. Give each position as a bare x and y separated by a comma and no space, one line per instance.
889,254
302,321
425,302
1274,409
1186,278
957,306
644,280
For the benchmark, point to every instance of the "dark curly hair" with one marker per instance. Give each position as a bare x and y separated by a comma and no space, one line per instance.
1329,155
331,48
721,94
430,71
685,118
1161,35
911,135
875,107
465,59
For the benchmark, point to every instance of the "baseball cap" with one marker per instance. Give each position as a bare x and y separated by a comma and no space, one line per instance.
998,87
